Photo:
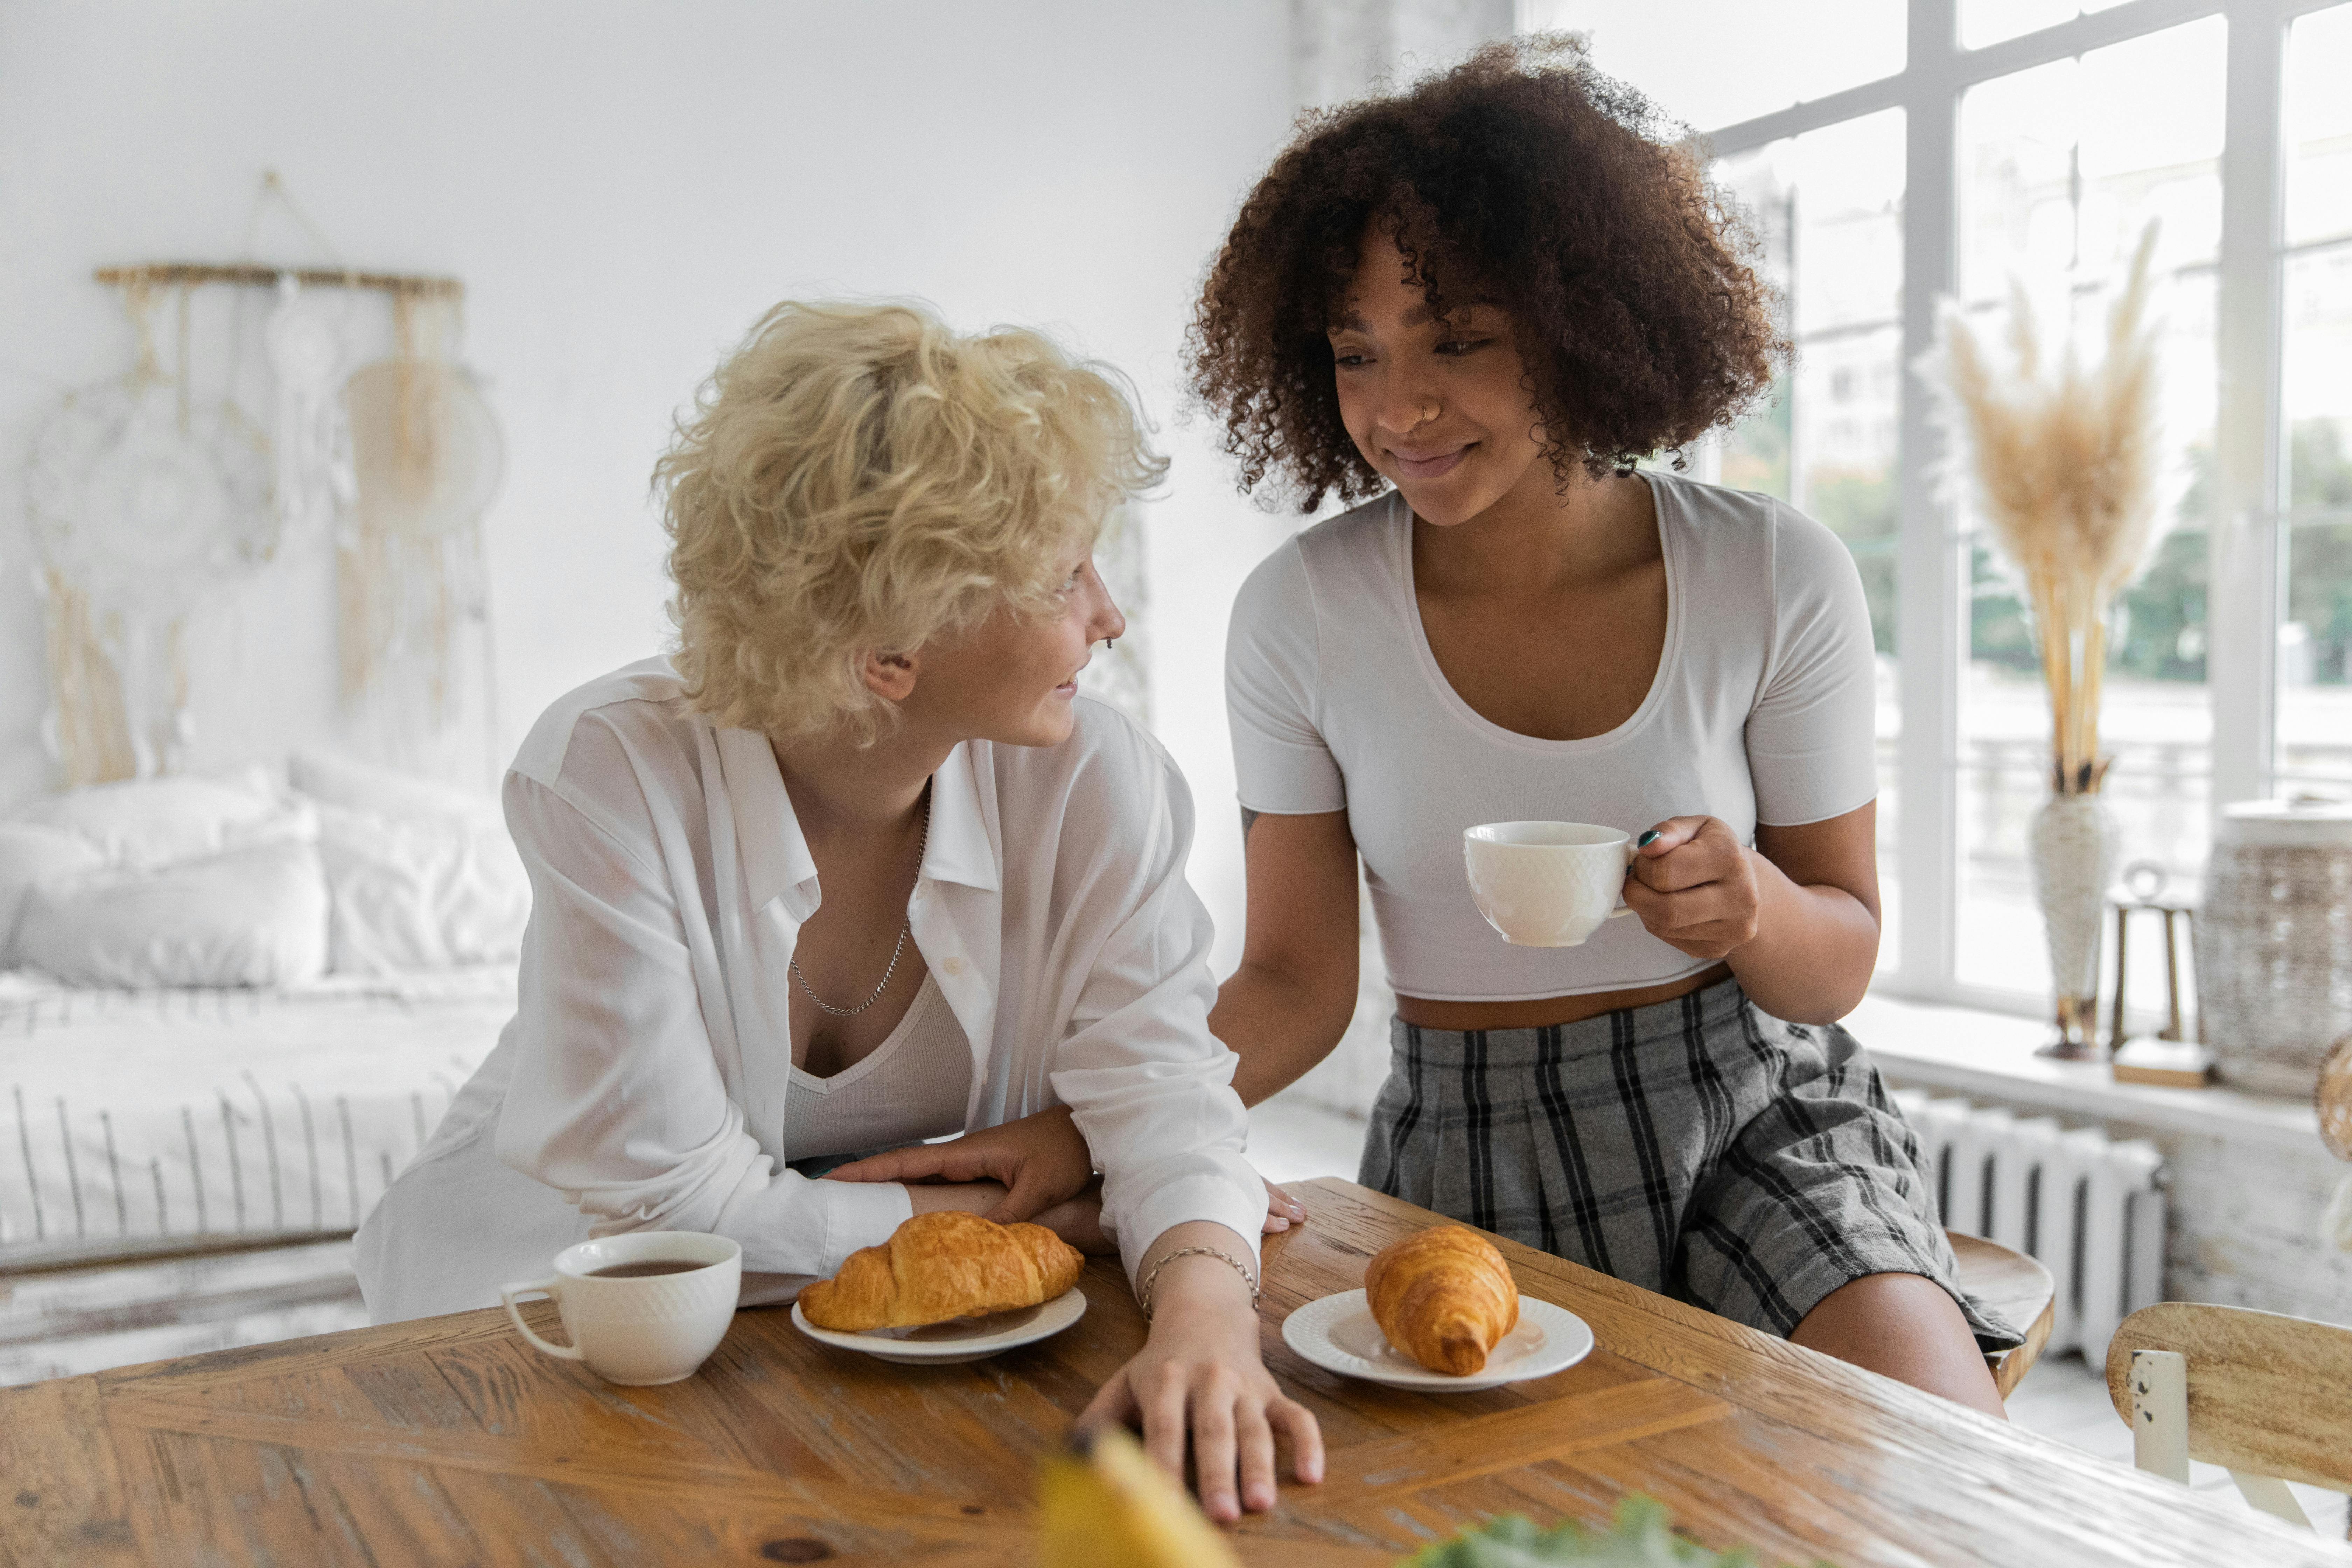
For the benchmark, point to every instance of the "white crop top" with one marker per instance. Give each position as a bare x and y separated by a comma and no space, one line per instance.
910,1087
1762,709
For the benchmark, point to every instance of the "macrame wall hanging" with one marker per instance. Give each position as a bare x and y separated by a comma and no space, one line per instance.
148,499
144,499
427,455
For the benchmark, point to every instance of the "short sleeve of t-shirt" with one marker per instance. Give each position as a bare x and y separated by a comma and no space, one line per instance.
1812,735
1280,762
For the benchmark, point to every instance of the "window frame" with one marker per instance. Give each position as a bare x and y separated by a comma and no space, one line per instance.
2244,605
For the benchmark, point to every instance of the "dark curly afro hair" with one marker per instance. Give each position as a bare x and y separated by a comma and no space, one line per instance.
1523,177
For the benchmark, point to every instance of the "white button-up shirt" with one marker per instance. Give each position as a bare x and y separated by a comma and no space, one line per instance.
641,1084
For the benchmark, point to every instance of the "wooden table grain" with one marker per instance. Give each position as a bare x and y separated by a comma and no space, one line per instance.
448,1440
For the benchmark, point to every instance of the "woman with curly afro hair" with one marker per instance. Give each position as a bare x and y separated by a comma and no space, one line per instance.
1472,307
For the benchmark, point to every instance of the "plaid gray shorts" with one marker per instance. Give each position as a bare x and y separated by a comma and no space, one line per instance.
1698,1147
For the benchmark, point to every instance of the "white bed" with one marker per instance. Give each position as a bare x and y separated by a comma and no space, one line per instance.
132,1122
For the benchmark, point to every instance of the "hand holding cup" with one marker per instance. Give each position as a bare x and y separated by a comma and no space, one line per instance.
1695,886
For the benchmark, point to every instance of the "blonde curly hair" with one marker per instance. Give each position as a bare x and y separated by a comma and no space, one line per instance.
858,479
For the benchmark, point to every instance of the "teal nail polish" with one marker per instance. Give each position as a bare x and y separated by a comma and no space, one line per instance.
1646,839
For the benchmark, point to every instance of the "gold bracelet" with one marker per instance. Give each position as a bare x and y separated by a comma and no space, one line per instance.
1235,1264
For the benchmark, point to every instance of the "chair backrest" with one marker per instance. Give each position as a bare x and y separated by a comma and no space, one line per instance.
2266,1395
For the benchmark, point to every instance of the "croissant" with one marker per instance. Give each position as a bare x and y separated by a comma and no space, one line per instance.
940,1266
1443,1296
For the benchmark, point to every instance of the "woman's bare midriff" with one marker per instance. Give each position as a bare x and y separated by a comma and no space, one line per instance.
1424,1013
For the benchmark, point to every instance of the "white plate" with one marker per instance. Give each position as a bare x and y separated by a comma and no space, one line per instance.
1340,1333
959,1338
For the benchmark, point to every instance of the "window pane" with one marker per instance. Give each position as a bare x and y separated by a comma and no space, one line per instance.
2059,168
2062,166
2004,768
2320,126
2017,178
1846,426
2314,694
2315,653
1752,61
1847,184
1829,208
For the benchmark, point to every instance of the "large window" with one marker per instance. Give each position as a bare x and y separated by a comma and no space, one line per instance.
1902,152
1828,206
2314,650
2059,168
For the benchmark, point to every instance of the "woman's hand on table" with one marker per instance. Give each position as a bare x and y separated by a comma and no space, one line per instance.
1694,887
1200,1377
1043,1162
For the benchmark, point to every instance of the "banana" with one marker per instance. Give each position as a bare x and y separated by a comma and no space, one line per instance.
1102,1503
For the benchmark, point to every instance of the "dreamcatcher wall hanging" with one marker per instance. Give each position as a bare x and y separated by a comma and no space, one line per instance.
148,499
427,456
142,497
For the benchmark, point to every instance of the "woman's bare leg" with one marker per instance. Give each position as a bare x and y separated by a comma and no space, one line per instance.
1907,1328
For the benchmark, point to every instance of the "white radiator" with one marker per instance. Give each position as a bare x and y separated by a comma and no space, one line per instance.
2090,1207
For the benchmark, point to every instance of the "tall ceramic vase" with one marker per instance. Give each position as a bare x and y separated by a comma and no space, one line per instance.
2075,854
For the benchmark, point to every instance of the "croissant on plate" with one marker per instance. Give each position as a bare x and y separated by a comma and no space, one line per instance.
940,1266
1443,1296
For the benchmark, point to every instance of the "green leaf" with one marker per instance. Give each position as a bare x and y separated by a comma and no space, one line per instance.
1639,1539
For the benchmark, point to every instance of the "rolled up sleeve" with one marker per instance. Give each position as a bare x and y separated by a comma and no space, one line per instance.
1149,1086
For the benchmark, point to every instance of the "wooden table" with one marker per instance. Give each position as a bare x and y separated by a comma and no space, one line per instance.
448,1440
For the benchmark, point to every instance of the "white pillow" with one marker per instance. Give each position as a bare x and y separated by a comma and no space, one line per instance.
254,916
155,822
31,855
338,781
421,891
421,875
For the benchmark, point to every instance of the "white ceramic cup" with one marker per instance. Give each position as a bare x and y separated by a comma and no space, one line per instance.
654,1327
1546,884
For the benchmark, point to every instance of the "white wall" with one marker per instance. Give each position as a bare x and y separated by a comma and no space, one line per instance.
624,187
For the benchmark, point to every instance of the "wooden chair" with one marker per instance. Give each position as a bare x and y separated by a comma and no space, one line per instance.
2268,1396
2019,1291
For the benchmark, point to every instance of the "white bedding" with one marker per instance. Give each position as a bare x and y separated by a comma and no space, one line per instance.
133,1119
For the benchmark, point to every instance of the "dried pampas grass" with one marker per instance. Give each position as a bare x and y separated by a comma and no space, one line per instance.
2065,460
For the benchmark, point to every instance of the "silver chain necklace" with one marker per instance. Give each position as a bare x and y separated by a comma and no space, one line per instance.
904,931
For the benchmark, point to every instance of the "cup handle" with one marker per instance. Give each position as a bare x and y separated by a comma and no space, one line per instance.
1622,908
507,1294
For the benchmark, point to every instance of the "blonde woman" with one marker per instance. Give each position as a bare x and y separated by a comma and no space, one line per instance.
857,867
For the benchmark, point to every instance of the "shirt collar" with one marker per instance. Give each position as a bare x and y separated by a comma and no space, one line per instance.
962,848
775,855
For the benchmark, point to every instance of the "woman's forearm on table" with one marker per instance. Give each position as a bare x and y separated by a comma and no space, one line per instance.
1279,1026
1201,1280
1813,952
971,1198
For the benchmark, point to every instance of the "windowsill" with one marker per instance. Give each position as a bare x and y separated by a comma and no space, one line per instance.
1960,1050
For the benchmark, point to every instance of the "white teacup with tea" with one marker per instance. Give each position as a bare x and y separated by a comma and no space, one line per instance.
1548,884
645,1308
